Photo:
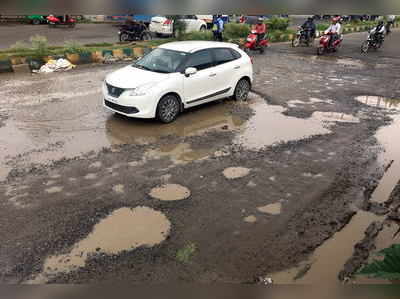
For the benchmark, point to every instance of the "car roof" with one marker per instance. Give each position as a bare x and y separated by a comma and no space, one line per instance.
192,46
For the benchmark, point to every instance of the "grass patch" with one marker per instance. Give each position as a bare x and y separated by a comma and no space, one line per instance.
184,254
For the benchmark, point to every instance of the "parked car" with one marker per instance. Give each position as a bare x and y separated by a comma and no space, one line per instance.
176,76
163,26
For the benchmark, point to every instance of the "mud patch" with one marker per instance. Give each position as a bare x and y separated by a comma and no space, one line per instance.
232,173
170,192
272,209
124,229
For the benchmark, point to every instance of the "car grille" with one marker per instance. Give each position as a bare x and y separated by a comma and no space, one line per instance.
114,91
120,108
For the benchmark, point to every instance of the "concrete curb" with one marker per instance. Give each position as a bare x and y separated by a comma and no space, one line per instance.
8,65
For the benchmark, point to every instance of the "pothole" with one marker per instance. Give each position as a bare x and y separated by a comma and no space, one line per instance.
124,229
236,172
273,209
380,102
170,192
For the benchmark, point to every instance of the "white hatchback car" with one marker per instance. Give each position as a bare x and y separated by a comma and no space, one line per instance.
164,27
176,76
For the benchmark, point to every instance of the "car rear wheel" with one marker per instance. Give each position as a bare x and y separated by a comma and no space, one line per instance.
168,109
203,28
242,90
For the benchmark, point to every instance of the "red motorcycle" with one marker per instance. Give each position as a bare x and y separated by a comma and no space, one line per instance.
324,46
252,45
61,21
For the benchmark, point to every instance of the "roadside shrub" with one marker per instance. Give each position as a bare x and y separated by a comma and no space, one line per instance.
278,23
235,31
94,45
40,45
72,47
197,35
19,47
322,27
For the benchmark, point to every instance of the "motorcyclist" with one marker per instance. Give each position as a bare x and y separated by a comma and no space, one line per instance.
334,30
260,29
378,32
390,22
309,28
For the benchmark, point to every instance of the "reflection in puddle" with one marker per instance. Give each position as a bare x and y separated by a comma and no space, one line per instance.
179,153
122,130
379,102
387,137
273,209
124,229
269,126
335,117
328,259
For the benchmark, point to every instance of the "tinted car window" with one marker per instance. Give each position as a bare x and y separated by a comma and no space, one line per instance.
223,55
200,60
236,54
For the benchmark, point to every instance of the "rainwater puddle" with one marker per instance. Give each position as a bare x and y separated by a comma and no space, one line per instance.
342,61
380,102
123,229
179,153
335,117
170,192
232,173
269,126
328,260
388,137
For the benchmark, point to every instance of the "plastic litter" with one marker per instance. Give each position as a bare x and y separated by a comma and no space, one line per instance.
55,66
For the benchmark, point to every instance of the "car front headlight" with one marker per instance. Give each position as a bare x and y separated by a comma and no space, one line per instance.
141,90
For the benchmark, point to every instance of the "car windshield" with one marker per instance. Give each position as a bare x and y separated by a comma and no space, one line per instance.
161,61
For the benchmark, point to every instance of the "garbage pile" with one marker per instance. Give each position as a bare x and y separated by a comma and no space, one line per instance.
55,66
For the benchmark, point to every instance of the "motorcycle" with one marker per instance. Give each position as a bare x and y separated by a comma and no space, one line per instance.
324,44
126,34
301,38
252,45
61,21
372,42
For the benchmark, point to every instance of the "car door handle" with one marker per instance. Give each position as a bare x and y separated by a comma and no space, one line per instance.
237,67
213,75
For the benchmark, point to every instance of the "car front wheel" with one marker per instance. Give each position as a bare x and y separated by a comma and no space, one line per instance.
168,109
242,90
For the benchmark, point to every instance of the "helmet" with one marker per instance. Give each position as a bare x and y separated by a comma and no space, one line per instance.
380,22
260,20
336,19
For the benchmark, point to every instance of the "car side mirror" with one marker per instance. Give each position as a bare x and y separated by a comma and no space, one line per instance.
190,71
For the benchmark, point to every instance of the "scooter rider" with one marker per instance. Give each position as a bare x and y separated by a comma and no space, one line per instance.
261,29
334,30
309,27
379,31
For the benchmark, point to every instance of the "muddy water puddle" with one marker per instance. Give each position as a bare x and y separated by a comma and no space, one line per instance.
124,229
270,126
328,260
390,156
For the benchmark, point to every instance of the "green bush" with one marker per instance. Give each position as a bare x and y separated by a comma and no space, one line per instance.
197,35
40,45
388,268
72,47
322,27
278,23
236,31
99,45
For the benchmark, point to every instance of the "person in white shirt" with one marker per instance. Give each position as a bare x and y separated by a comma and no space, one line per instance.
334,30
378,32
390,22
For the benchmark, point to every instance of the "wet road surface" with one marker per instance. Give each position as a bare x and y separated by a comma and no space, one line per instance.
258,187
